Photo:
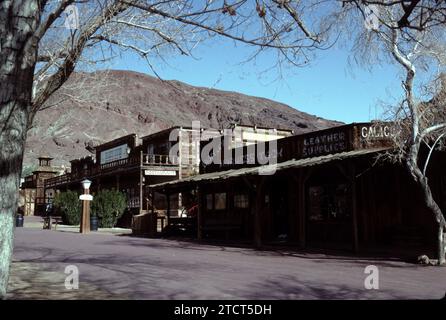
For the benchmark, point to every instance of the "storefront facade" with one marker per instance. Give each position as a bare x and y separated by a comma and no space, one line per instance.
329,190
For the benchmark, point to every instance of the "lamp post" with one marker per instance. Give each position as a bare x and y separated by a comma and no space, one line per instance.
86,198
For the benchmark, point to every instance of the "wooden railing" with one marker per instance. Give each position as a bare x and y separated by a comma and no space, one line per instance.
159,159
65,178
127,162
141,160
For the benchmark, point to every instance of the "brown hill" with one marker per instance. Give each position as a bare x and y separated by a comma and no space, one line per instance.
92,108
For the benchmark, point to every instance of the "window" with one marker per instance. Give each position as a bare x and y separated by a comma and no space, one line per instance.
113,154
150,149
209,202
329,203
220,201
241,201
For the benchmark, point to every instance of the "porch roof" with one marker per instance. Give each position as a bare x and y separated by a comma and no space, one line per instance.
264,169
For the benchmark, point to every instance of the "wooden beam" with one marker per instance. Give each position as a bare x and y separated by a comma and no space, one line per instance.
258,196
354,207
168,208
199,214
180,153
141,172
153,201
302,209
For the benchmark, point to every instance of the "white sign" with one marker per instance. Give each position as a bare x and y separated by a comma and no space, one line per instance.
87,197
160,173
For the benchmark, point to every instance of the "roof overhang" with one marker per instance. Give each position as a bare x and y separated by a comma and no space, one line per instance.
265,169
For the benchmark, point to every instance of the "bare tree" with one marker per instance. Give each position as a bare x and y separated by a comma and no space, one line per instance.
42,42
412,35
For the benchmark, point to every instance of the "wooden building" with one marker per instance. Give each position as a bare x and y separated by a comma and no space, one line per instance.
127,165
328,189
130,165
33,188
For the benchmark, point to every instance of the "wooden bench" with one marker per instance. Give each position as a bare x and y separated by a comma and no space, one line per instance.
51,220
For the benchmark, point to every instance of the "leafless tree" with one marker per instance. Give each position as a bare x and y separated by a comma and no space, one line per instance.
412,35
42,42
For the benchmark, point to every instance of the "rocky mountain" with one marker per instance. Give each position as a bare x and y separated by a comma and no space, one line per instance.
92,108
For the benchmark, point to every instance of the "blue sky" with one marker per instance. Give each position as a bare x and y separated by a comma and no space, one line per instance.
330,87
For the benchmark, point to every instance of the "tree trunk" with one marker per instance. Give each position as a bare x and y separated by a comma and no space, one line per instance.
18,50
432,205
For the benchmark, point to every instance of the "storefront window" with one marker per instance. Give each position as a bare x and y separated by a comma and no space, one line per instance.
220,201
329,203
241,201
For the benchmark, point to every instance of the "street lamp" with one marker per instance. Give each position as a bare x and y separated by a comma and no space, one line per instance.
86,184
86,198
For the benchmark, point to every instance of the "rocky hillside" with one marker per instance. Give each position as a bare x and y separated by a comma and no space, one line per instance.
92,108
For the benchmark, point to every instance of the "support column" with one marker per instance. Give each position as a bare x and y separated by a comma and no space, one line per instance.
180,153
199,215
117,182
257,207
152,211
168,208
85,217
141,176
354,208
302,210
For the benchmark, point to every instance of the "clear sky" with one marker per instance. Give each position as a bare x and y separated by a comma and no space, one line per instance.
330,87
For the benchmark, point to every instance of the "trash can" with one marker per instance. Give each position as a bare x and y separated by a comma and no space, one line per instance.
93,223
19,220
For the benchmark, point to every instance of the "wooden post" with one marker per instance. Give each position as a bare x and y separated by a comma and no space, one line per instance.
301,209
292,217
153,217
168,208
364,210
153,201
180,154
85,217
354,208
199,215
258,217
141,172
398,194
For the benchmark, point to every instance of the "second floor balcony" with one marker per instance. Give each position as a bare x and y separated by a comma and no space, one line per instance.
152,161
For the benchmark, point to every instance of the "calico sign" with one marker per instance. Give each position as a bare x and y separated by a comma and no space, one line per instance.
376,132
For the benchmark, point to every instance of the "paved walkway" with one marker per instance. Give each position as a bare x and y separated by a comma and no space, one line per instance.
123,267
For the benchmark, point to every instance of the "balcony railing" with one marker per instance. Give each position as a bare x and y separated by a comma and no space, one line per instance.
141,160
65,178
159,159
